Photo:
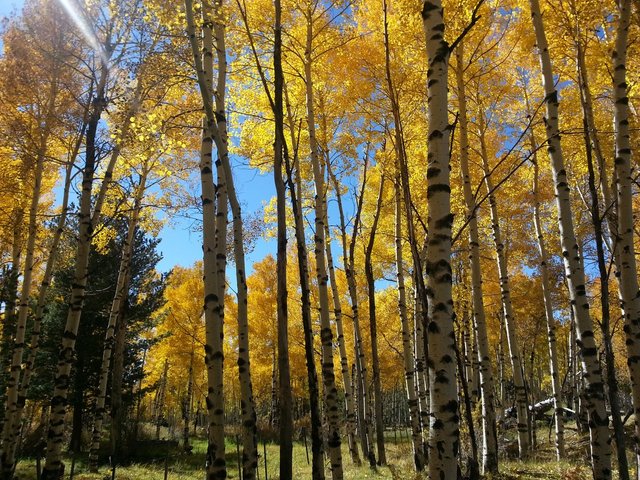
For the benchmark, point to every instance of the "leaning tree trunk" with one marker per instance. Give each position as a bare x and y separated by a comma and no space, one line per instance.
507,306
407,350
326,335
375,360
117,306
548,308
489,433
574,268
54,468
444,434
627,268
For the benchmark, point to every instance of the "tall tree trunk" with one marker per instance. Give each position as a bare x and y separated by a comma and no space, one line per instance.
407,350
507,306
295,191
117,372
375,360
54,468
574,268
548,308
605,322
627,268
121,293
348,260
248,412
285,413
186,411
159,403
344,359
326,335
41,304
444,433
489,433
10,426
214,217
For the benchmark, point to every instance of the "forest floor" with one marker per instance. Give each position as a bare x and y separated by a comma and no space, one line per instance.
180,466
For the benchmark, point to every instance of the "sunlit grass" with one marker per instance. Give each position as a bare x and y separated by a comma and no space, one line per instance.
541,465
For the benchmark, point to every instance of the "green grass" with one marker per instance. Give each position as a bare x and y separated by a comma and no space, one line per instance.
541,465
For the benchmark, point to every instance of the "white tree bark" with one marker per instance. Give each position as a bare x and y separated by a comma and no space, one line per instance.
444,433
489,434
574,268
626,260
507,306
326,335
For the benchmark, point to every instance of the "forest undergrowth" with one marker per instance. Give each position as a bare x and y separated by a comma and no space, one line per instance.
149,463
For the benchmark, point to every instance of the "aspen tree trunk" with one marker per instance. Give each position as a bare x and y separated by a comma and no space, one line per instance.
10,446
117,372
348,260
186,414
605,187
605,322
54,468
509,320
407,350
489,433
159,404
248,412
375,360
468,355
295,190
326,335
212,38
626,264
117,306
10,427
548,308
422,381
574,268
285,417
214,219
444,433
344,360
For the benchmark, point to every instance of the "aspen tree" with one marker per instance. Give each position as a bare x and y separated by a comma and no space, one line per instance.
11,420
249,432
407,350
574,268
344,359
348,261
548,309
626,261
375,360
489,433
444,432
326,335
54,468
281,161
507,306
213,303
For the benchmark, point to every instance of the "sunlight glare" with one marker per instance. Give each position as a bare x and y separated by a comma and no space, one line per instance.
87,32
